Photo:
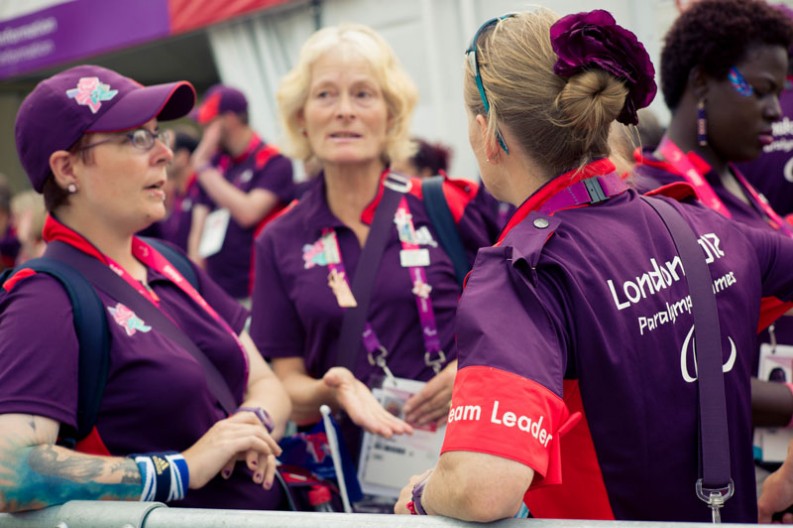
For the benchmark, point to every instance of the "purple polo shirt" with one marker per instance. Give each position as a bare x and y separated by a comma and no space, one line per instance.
295,313
176,227
772,172
156,398
256,168
591,316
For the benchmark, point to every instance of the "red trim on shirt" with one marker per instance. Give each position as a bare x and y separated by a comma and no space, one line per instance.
253,144
265,154
503,414
677,191
582,494
771,309
552,187
56,231
702,166
92,444
17,277
368,213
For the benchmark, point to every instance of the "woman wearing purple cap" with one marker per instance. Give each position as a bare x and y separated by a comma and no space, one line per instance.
348,103
186,394
577,389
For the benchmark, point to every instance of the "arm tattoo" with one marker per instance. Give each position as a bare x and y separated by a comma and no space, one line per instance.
44,475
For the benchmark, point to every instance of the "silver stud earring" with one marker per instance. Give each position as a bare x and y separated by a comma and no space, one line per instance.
71,188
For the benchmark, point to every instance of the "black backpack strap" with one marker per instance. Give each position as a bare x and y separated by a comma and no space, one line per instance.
178,259
93,335
443,222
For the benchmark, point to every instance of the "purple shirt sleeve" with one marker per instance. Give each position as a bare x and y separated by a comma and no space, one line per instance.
38,370
276,177
275,323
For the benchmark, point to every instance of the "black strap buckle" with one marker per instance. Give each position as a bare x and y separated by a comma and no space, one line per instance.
595,190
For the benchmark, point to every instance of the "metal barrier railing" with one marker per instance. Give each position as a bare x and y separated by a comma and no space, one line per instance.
106,514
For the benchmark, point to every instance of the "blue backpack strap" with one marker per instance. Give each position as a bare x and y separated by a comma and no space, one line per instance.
443,222
93,335
178,259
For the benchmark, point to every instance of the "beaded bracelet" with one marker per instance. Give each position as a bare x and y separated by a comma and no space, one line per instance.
414,506
165,476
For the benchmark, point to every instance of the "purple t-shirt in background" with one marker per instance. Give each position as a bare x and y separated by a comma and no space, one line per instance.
156,397
231,266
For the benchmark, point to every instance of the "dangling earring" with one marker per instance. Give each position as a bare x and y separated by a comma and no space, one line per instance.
702,123
71,188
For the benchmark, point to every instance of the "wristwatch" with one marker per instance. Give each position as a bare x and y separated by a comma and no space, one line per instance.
262,415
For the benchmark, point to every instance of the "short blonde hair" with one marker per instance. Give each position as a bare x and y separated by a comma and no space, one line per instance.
562,123
399,92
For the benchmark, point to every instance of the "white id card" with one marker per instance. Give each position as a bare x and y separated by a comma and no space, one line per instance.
412,258
773,442
386,464
215,226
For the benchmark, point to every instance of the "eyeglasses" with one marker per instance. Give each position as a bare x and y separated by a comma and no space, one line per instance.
474,63
141,139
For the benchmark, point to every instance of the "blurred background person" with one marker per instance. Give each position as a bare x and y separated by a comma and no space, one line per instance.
27,215
9,242
430,159
181,193
243,182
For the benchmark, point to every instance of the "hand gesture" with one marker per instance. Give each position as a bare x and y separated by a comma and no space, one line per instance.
359,403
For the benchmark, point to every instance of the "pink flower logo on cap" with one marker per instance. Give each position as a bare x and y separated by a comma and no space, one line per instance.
90,92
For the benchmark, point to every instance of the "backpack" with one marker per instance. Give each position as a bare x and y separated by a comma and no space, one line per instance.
93,334
441,217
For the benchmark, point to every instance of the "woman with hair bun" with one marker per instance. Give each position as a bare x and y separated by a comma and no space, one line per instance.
577,388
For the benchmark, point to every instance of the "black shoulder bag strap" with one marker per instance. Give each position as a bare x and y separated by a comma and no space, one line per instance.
354,320
93,336
715,486
103,278
442,220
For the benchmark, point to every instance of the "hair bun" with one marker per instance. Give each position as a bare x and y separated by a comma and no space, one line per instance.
594,40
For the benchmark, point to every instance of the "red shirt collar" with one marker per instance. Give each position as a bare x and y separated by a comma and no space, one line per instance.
253,144
702,166
54,231
368,213
554,186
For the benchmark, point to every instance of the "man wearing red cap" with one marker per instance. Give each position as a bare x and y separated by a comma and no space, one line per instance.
243,182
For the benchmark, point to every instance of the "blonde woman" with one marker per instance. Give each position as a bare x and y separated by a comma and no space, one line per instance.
348,104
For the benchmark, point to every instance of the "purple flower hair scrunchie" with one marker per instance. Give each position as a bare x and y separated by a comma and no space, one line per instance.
594,40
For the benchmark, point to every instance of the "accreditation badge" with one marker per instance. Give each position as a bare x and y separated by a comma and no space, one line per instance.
776,364
214,233
387,463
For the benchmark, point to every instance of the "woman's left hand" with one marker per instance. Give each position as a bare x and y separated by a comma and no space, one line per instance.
406,495
431,403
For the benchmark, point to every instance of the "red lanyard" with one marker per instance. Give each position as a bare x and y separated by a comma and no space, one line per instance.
434,356
677,159
151,258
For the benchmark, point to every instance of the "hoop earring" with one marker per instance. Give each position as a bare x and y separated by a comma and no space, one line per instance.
71,188
702,123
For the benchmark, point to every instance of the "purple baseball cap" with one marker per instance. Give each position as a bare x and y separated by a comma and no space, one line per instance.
85,99
218,100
